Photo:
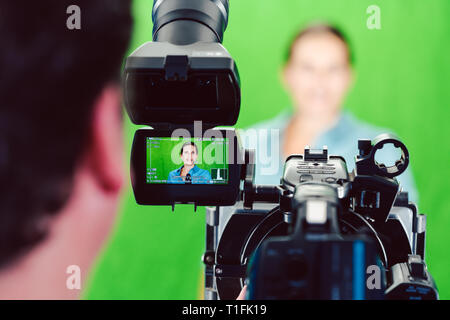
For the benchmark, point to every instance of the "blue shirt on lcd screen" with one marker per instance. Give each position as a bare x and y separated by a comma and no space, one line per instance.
194,176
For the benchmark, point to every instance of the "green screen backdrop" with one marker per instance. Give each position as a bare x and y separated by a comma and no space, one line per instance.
402,82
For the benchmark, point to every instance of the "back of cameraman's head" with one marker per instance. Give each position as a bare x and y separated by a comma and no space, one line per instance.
50,79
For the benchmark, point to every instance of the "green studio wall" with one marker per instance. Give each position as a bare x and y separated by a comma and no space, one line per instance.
403,82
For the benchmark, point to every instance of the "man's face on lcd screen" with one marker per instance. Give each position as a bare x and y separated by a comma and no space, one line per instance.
189,155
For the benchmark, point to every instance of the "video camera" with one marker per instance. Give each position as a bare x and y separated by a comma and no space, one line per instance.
317,235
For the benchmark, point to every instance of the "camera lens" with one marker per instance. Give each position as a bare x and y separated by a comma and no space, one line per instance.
184,22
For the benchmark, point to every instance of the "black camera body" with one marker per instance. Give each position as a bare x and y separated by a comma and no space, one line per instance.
185,74
322,233
171,85
186,193
314,260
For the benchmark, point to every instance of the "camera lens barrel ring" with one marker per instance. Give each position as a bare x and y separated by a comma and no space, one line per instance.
185,21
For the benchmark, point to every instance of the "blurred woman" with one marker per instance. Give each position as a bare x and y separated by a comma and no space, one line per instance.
317,75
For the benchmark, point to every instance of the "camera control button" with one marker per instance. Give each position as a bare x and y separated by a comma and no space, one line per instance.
306,177
330,180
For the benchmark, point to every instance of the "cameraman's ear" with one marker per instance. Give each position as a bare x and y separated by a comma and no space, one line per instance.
106,150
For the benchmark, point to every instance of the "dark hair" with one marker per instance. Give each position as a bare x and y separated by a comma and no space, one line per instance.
50,77
189,144
320,28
